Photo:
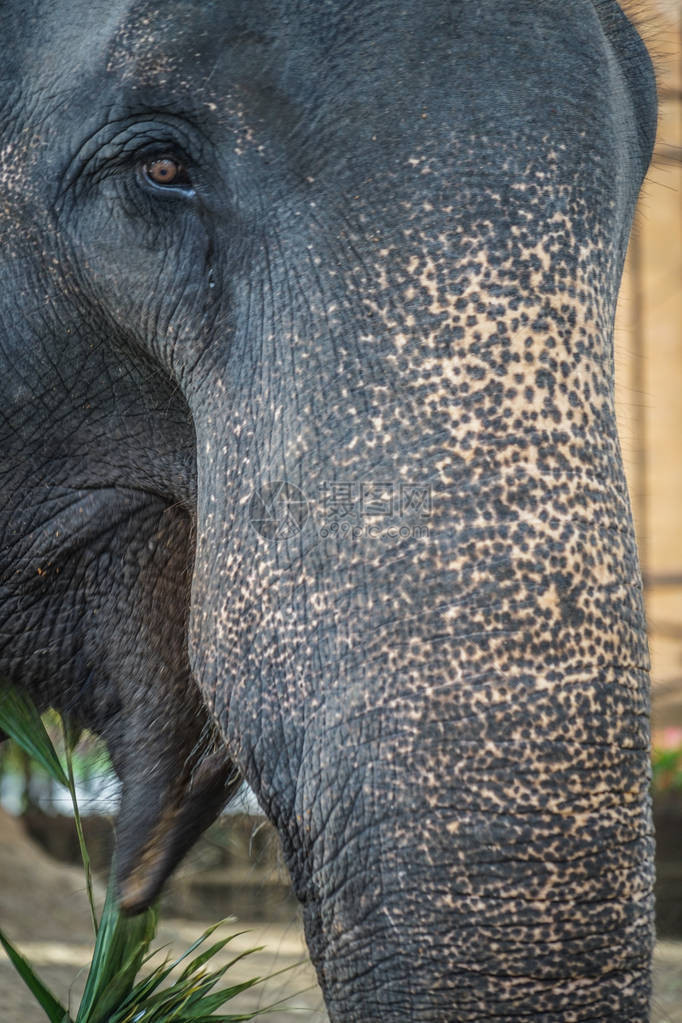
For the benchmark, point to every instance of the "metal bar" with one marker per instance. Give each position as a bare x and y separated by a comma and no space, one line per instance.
667,630
663,579
665,153
667,687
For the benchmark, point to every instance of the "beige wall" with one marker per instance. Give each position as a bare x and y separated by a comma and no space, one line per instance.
648,343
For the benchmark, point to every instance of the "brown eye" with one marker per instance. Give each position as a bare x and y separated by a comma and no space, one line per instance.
163,172
168,172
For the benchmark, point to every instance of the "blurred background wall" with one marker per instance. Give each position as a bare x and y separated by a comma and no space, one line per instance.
648,345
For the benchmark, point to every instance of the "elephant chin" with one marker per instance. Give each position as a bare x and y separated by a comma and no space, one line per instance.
151,844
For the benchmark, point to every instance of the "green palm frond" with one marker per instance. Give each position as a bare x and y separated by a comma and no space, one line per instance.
121,985
121,945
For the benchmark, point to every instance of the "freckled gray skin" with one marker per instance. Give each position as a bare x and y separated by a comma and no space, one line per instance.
398,261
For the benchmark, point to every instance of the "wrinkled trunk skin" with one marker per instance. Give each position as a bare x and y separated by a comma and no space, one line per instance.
459,779
450,730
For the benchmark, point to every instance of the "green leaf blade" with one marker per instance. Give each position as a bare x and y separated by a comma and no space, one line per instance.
54,1011
121,945
20,719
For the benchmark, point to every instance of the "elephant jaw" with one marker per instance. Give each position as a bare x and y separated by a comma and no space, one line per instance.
151,842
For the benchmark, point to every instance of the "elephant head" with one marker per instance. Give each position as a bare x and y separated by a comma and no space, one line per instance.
309,444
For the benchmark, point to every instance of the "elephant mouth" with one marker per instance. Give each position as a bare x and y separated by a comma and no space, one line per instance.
147,856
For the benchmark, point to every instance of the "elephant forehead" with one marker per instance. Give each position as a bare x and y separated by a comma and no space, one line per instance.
182,45
316,53
337,92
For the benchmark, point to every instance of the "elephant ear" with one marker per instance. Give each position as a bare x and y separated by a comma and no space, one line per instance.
164,809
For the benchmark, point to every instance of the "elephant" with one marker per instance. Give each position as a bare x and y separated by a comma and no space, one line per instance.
311,475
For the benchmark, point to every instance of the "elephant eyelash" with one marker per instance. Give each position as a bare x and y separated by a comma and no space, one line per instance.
105,155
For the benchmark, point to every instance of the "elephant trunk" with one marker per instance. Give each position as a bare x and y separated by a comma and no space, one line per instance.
451,738
434,674
519,890
482,847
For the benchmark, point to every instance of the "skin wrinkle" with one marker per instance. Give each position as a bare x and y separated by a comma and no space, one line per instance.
415,252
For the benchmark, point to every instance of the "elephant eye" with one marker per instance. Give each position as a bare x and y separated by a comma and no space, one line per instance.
168,174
